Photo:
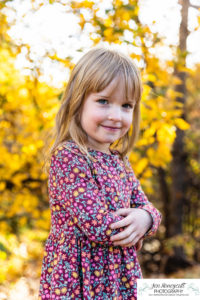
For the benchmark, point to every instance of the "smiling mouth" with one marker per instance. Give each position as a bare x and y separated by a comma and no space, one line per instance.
111,128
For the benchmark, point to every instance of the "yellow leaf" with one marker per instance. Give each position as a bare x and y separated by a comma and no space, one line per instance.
182,124
108,22
141,165
176,80
82,21
82,4
126,16
173,94
2,186
18,178
150,77
23,93
150,131
3,255
148,173
108,32
166,133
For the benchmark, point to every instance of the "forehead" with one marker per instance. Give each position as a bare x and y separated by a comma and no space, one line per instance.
117,86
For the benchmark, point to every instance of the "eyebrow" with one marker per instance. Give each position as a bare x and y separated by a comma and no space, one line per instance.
128,100
103,96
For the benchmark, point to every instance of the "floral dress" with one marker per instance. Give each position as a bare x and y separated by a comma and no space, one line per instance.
80,261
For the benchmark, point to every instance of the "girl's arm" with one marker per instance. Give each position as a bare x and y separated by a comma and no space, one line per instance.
140,200
141,219
72,183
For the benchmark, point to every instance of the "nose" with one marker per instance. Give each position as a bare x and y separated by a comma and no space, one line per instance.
115,114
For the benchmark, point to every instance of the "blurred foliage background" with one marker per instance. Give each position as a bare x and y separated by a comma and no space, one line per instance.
166,158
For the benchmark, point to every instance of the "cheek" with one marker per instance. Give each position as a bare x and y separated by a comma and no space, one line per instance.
96,115
91,117
128,120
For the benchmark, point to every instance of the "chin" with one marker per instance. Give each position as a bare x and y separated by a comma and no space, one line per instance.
109,140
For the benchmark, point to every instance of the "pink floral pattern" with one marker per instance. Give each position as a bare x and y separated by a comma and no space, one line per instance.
80,261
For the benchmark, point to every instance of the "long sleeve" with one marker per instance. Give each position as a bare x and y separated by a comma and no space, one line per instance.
80,195
140,200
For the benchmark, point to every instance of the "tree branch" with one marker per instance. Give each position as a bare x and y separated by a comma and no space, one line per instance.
194,6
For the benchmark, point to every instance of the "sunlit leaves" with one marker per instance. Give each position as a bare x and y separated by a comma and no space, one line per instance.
182,124
28,108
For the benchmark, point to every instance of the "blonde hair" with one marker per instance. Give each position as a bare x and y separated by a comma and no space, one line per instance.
93,73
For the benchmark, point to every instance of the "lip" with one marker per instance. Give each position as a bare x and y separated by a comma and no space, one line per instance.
111,128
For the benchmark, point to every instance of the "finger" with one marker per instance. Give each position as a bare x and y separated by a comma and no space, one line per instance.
128,245
135,241
123,211
138,245
131,239
122,223
124,234
121,236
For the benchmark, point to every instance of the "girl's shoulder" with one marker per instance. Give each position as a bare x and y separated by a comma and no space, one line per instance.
68,148
68,156
68,153
72,147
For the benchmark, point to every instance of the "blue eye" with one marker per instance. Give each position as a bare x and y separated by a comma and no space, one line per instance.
102,101
127,105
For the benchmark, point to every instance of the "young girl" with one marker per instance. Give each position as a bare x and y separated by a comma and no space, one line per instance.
99,213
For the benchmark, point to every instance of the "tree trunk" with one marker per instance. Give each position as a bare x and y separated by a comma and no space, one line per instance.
165,196
179,161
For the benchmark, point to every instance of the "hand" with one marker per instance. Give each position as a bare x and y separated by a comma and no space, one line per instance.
138,245
137,222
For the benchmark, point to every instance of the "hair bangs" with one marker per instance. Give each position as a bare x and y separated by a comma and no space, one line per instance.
132,83
106,69
110,65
